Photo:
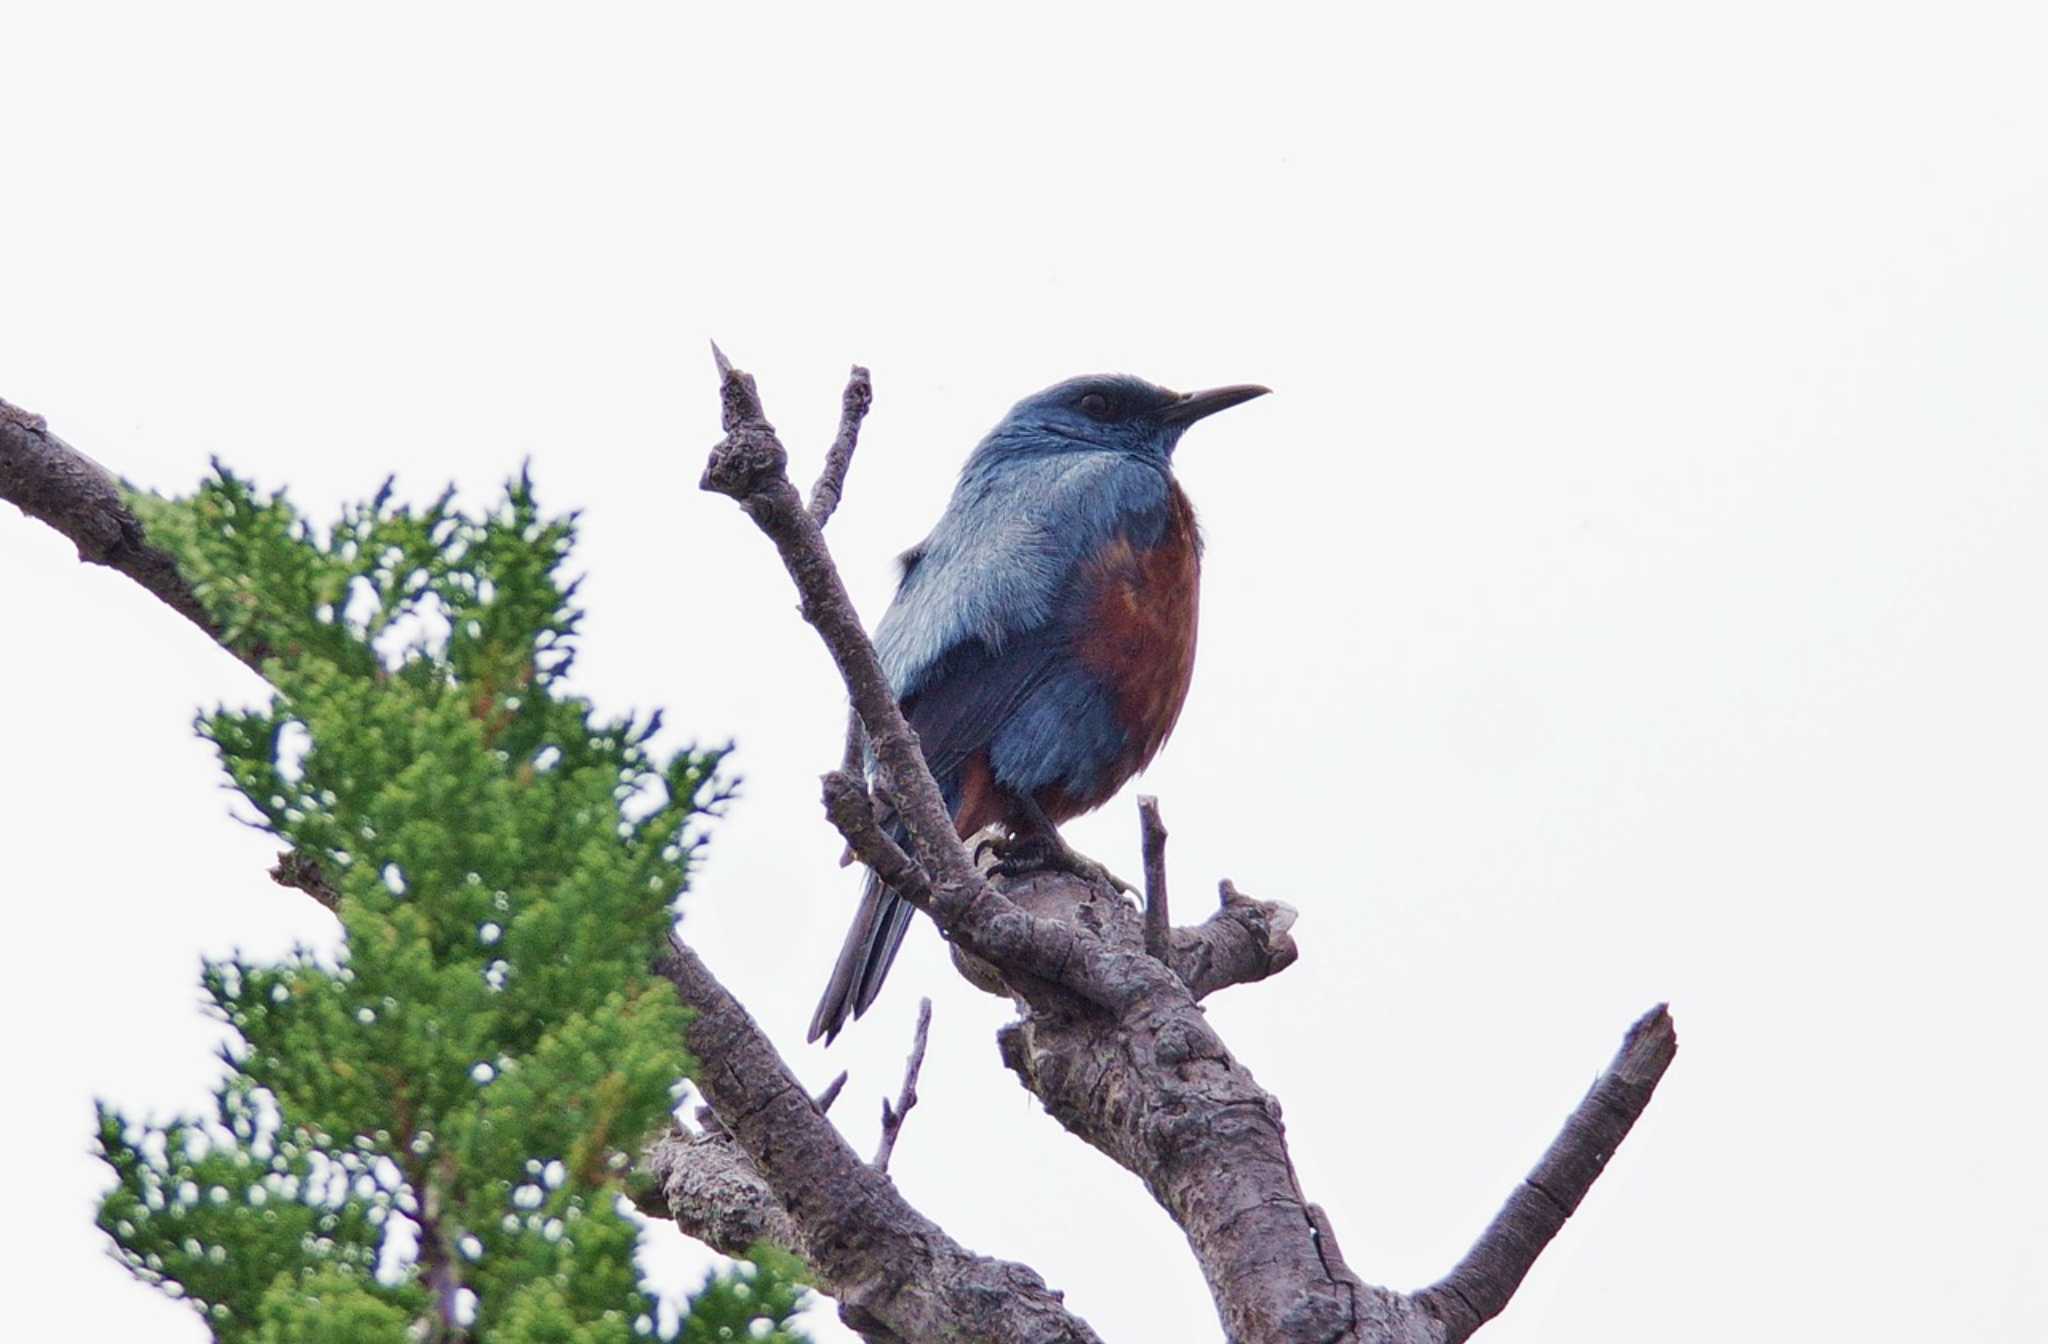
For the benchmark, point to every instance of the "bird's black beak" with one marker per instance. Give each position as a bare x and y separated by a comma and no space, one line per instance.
1192,406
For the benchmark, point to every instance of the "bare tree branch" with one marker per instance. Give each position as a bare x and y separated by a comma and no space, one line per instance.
892,1117
1244,941
52,482
1037,956
853,408
713,1191
302,872
1476,1290
869,1247
1112,1040
1152,844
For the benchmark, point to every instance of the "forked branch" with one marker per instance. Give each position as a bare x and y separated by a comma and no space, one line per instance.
1112,1041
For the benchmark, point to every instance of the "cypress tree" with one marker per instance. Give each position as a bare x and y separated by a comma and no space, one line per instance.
426,1133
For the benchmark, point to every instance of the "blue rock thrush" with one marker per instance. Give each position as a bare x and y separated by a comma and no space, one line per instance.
1043,636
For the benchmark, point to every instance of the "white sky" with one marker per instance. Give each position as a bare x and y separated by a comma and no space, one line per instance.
1632,591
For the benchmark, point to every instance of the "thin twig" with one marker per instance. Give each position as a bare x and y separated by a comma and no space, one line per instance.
892,1117
1476,1290
1152,842
831,1092
853,408
825,495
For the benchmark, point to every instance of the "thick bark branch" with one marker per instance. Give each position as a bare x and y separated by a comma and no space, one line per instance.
303,873
1476,1290
715,1193
979,919
1243,941
52,482
871,1250
1155,1089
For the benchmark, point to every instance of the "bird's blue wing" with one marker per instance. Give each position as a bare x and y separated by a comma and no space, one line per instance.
973,690
1011,538
978,624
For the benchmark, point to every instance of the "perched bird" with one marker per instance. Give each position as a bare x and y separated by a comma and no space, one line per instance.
1043,636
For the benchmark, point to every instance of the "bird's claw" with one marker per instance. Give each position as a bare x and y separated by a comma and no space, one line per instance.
1024,855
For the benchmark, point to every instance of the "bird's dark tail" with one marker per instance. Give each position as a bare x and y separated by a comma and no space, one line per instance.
869,950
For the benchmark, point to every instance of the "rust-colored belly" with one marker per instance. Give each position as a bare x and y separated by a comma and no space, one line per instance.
1139,638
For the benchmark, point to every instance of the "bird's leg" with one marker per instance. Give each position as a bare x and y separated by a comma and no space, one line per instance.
1035,845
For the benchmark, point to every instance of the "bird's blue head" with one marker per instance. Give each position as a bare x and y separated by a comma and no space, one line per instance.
1109,412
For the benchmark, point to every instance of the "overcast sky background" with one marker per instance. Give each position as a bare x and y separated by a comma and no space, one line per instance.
1632,591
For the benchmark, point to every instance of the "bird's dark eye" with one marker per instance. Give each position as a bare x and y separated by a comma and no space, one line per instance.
1096,405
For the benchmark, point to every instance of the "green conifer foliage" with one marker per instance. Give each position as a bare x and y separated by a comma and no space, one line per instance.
477,1068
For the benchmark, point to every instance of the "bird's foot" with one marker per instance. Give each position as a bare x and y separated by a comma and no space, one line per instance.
1045,851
